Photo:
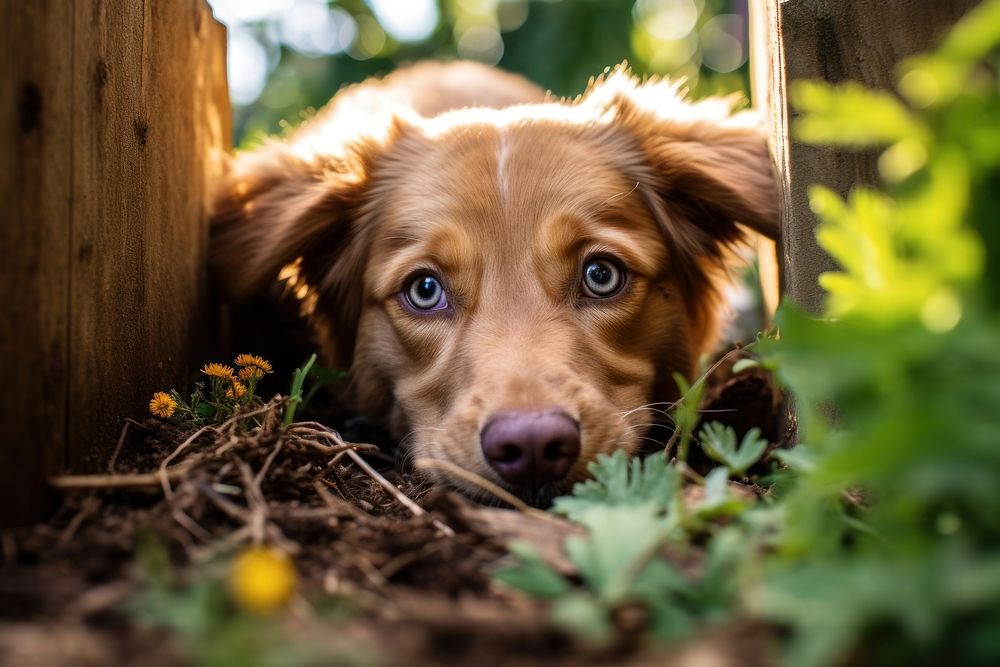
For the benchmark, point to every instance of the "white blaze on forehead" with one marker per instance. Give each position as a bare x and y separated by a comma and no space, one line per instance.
502,166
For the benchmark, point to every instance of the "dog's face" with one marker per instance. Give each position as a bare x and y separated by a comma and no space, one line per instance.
514,288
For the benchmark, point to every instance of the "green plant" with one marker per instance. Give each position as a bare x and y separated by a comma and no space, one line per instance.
295,393
617,482
631,510
228,392
684,413
719,442
907,352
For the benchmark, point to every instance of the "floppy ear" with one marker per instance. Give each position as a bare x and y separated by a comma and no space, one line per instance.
272,208
704,170
282,216
703,156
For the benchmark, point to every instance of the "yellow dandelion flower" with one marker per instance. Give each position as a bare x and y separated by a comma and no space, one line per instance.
256,361
240,391
251,373
162,405
219,371
262,580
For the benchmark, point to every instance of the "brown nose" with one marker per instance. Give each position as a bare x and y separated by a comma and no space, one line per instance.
531,448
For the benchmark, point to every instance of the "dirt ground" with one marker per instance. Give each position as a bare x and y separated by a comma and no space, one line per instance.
411,565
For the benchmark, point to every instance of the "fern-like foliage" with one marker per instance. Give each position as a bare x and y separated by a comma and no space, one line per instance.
618,481
719,442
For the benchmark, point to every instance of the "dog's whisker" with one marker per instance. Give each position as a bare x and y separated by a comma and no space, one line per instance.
620,195
403,458
639,426
655,403
413,433
650,407
401,238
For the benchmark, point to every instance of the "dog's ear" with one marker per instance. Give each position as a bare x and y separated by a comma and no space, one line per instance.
289,215
704,170
702,157
273,208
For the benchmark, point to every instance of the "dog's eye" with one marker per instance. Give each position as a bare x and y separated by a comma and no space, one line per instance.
602,278
426,293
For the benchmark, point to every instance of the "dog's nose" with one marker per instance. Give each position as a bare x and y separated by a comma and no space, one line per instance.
531,447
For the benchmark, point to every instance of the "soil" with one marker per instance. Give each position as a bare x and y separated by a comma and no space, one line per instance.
417,583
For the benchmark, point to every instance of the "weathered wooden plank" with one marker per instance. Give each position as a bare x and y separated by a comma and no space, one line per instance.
35,205
151,120
115,118
834,41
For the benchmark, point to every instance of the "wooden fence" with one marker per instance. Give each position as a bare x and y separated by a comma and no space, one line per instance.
114,116
835,41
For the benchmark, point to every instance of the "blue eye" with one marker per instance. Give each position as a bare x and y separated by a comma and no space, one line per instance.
426,293
602,278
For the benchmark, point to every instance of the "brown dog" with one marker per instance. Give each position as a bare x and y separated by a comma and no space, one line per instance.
512,280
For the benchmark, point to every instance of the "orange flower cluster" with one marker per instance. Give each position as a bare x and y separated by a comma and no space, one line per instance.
226,385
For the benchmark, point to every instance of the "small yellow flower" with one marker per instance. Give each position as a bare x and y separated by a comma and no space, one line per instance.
162,405
251,373
219,371
262,580
239,388
256,361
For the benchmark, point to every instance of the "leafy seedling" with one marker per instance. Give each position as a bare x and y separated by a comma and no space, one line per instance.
295,393
719,501
719,442
618,560
618,481
685,414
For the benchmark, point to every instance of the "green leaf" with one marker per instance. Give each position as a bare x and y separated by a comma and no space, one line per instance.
849,114
205,410
799,459
619,481
531,574
718,500
584,617
295,393
743,364
719,442
620,542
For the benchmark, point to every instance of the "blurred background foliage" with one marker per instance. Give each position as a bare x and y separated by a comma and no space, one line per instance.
288,57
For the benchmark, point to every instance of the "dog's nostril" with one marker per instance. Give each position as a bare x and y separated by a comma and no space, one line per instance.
509,453
554,450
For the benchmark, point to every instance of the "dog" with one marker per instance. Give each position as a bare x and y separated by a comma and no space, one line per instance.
512,279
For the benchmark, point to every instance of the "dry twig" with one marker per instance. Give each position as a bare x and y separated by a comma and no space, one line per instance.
118,481
400,497
482,483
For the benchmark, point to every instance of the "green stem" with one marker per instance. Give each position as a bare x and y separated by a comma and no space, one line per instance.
295,395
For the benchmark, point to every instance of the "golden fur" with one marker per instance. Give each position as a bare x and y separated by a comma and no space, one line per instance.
475,175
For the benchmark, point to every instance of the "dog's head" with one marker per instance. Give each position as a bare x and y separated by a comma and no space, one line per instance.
512,288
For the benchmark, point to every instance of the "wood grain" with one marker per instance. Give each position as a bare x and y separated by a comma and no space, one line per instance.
108,197
35,207
147,119
835,41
